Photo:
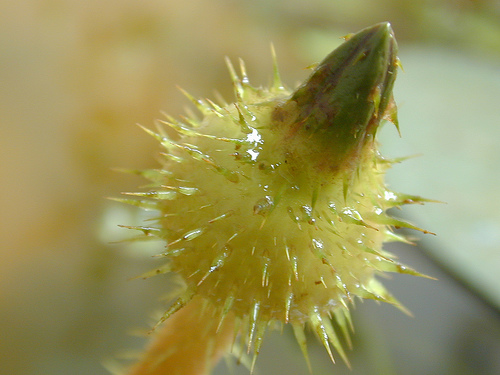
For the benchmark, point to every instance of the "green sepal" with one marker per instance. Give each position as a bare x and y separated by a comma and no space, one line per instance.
338,109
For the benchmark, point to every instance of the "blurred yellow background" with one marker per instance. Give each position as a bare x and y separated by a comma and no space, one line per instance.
75,78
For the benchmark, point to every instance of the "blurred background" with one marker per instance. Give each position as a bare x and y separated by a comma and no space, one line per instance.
75,78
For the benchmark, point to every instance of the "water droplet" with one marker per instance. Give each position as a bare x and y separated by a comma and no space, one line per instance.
318,244
191,235
263,206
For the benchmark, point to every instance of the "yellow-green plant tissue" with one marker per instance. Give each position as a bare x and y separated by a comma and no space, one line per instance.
273,209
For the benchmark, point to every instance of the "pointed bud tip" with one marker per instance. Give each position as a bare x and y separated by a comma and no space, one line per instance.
341,104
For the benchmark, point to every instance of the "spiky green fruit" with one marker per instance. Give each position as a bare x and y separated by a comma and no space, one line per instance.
273,208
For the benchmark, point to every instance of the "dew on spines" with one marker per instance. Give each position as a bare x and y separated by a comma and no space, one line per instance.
393,199
322,223
223,216
156,136
179,127
318,326
298,330
288,301
147,231
176,306
196,154
244,77
147,205
154,175
388,265
260,330
265,270
184,190
398,223
253,320
277,84
228,304
334,339
203,107
166,268
245,127
172,157
216,108
376,291
238,88
343,319
217,263
352,216
390,236
160,195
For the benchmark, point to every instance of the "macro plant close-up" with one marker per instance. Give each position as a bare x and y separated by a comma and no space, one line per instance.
319,199
273,208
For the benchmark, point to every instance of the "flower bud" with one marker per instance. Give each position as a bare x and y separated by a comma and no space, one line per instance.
273,208
336,112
